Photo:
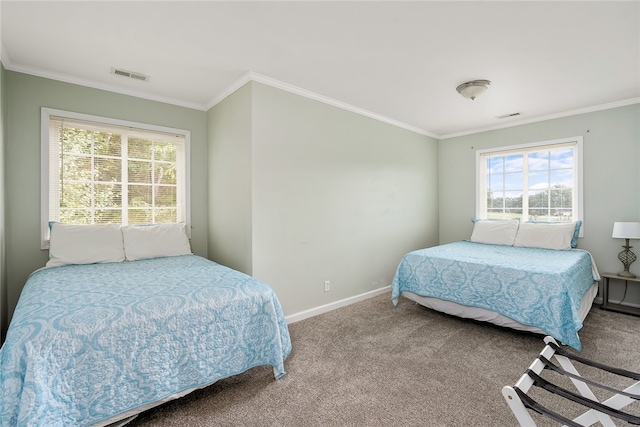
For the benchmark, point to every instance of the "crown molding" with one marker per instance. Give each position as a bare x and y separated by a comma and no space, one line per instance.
259,78
252,76
576,112
9,65
246,78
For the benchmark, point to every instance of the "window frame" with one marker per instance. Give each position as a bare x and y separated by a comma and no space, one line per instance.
575,142
45,116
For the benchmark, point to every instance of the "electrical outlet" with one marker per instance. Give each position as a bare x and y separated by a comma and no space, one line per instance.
327,286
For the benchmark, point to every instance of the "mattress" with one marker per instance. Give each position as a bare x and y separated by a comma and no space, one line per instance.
484,315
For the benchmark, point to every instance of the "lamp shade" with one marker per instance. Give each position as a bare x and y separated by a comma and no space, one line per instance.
626,230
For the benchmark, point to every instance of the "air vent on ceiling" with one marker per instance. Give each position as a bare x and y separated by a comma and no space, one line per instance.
504,116
130,74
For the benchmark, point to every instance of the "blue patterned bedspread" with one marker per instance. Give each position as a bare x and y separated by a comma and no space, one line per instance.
536,287
89,342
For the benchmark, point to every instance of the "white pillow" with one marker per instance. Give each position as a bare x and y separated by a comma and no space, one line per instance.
157,240
85,244
500,232
547,236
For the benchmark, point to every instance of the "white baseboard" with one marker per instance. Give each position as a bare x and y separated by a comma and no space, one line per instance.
296,317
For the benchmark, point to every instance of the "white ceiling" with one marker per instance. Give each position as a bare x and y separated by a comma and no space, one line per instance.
397,61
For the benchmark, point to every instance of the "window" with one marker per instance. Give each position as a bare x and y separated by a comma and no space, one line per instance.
533,182
99,171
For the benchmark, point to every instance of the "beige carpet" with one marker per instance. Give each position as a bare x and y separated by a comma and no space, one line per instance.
370,364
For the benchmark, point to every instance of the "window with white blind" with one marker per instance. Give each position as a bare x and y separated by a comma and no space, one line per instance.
534,182
102,171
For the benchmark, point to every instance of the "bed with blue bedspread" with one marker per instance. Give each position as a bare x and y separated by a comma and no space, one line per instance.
92,344
539,290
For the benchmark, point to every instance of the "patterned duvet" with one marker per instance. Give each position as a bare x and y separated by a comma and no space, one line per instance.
88,343
536,287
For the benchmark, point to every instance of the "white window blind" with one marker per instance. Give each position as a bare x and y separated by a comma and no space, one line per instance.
102,172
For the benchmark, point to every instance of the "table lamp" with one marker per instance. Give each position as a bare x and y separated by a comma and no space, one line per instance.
626,230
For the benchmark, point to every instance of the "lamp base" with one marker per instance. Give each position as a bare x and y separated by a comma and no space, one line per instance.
627,274
627,258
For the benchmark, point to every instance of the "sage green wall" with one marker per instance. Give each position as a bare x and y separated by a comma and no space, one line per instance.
26,95
3,257
296,192
337,196
230,181
334,195
611,174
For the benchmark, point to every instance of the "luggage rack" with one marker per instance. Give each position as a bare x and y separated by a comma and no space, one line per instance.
603,412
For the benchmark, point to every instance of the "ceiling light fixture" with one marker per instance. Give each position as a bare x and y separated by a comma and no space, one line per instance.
473,88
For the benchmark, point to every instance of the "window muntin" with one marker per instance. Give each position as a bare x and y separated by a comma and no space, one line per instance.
539,182
100,171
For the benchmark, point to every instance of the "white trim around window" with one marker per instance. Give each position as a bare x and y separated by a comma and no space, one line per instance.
577,193
104,123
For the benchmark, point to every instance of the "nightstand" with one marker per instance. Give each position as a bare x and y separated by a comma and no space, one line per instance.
606,305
